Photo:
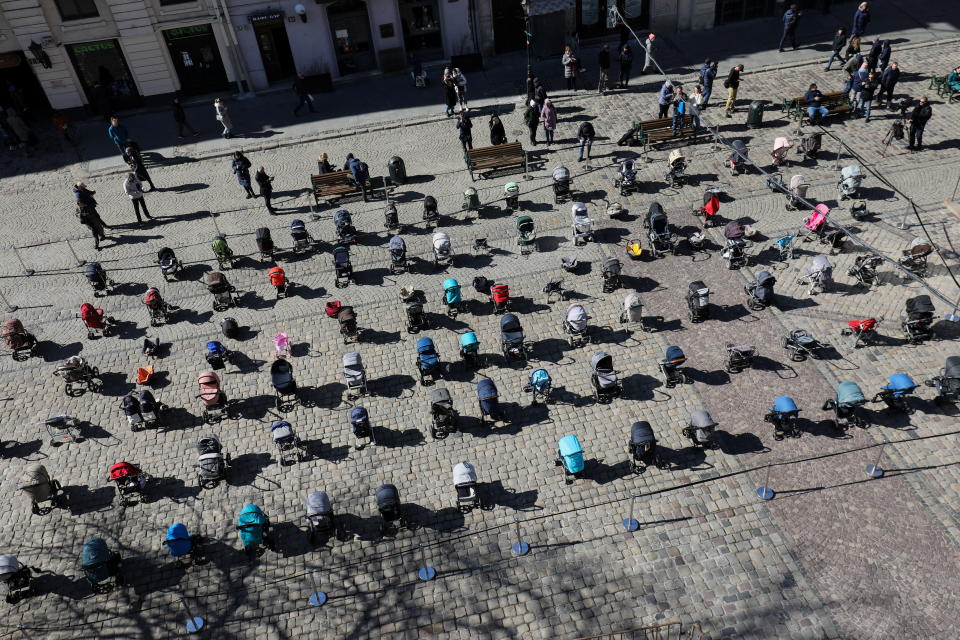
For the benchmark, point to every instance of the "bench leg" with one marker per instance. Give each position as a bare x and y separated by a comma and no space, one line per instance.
526,170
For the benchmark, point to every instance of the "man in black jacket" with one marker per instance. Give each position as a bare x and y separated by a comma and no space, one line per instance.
603,62
918,120
732,84
839,42
180,117
303,95
888,81
586,134
626,61
532,118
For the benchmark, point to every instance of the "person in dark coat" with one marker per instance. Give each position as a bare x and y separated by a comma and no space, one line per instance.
497,134
918,120
873,56
839,42
868,88
885,53
708,73
303,95
888,82
136,164
861,18
603,63
465,127
323,164
626,62
532,118
530,88
791,18
449,94
360,172
241,169
180,117
585,134
87,213
539,93
265,183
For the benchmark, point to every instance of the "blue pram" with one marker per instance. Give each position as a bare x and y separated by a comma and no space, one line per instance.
360,423
489,401
254,529
181,545
470,348
783,416
346,232
428,361
673,357
452,296
398,255
217,355
570,457
847,406
342,268
539,386
896,393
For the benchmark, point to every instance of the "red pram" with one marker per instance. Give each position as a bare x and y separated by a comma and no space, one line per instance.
129,480
92,317
152,299
863,331
709,210
501,297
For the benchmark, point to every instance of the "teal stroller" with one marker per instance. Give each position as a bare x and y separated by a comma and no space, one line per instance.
452,297
847,406
570,457
254,529
539,386
101,567
470,348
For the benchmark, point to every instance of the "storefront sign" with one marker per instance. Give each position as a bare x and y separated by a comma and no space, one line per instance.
187,32
106,45
265,17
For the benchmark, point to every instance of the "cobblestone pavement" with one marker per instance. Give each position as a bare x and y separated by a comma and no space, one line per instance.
834,555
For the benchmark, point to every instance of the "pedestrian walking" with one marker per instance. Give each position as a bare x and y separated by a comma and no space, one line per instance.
265,183
839,42
861,18
648,46
136,164
180,117
791,18
732,85
885,53
223,115
449,93
532,118
539,93
241,169
585,134
918,120
118,135
548,116
888,82
460,81
134,190
465,129
708,73
873,56
851,67
497,133
853,47
570,67
86,212
626,61
603,63
303,95
868,88
664,98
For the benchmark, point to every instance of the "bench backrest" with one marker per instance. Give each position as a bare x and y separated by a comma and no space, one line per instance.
335,177
497,150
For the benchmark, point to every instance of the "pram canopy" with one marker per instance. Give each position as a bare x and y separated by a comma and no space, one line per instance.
781,145
251,525
766,279
216,282
796,182
641,433
427,357
264,239
347,317
674,355
540,379
342,218
166,256
95,273
577,317
602,362
739,152
627,170
733,230
579,212
784,405
359,415
208,443
352,364
398,248
281,430
487,390
951,368
675,158
178,540
611,267
440,398
95,560
500,293
849,394
130,405
91,316
698,288
701,419
341,256
298,230
209,384
469,342
561,174
36,483
123,470
920,306
451,291
572,453
510,327
852,172
441,242
9,565
900,382
319,504
464,473
525,225
387,497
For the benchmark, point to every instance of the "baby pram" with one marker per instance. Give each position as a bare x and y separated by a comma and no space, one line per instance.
582,224
390,508
224,294
42,489
810,146
398,255
391,219
278,280
818,274
626,180
78,376
471,200
416,317
480,248
737,160
610,270
643,447
539,385
700,430
760,292
739,357
575,325
633,311
217,355
158,309
430,213
735,253
917,321
851,177
181,545
784,247
170,266
321,519
212,464
511,338
863,331
289,446
914,258
63,429
896,393
97,277
947,383
428,361
265,244
355,376
101,567
342,269
698,301
798,190
150,409
676,169
526,235
96,321
673,357
801,345
864,269
781,146
489,401
465,483
709,209
570,458
499,295
347,321
452,297
442,251
783,416
130,481
443,414
343,224
847,406
561,184
21,342
658,231
606,383
300,236
470,348
222,251
284,386
214,400
511,195
360,425
16,577
253,528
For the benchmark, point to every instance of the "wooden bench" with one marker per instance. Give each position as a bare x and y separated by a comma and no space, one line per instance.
836,102
499,156
334,185
944,90
660,130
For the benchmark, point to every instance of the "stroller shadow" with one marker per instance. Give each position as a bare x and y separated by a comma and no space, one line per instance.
495,494
175,489
319,450
717,377
640,386
243,363
822,428
374,336
602,473
560,395
328,396
784,371
246,467
446,520
22,450
550,350
254,407
53,352
522,305
392,439
61,585
145,577
393,386
82,500
177,418
115,384
734,444
358,527
688,458
194,317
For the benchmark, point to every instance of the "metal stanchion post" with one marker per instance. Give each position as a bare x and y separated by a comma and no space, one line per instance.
317,597
425,572
875,470
26,271
10,307
764,492
630,523
836,163
80,262
903,222
213,217
520,548
194,623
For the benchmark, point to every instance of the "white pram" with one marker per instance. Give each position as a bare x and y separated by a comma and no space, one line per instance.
632,311
575,325
354,375
582,224
851,178
819,275
442,251
781,146
798,189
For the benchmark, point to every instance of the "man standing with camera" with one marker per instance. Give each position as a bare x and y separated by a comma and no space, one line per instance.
918,120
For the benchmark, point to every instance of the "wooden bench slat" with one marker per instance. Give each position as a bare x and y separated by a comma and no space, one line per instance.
499,156
335,183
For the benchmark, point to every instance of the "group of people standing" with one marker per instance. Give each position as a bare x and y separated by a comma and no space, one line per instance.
454,85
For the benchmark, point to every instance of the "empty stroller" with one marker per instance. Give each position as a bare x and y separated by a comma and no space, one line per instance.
739,357
347,321
289,446
130,481
700,430
343,223
452,297
606,384
320,517
511,338
355,375
265,243
428,361
737,160
489,401
284,386
416,317
784,247
526,235
212,464
442,251
709,210
224,293
760,291
511,195
16,577
471,200
96,321
391,219
802,345
500,295
278,279
398,255
430,213
582,224
217,355
150,409
819,275
658,231
342,269
222,251
130,406
360,425
643,447
561,184
42,489
539,385
781,146
914,258
465,482
570,457
847,406
632,311
78,376
170,266
443,414
253,528
388,504
810,146
673,357
610,272
21,342
569,263
214,400
101,567
181,545
896,393
863,331
735,253
698,301
626,180
159,310
851,177
480,248
575,325
917,320
864,269
97,277
798,191
676,169
783,416
470,348
300,236
947,383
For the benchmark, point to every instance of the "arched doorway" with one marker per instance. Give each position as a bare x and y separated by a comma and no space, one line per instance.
350,29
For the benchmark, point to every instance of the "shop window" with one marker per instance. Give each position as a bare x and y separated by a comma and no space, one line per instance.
589,12
167,3
77,9
421,27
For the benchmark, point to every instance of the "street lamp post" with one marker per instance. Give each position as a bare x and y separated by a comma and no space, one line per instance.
525,5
